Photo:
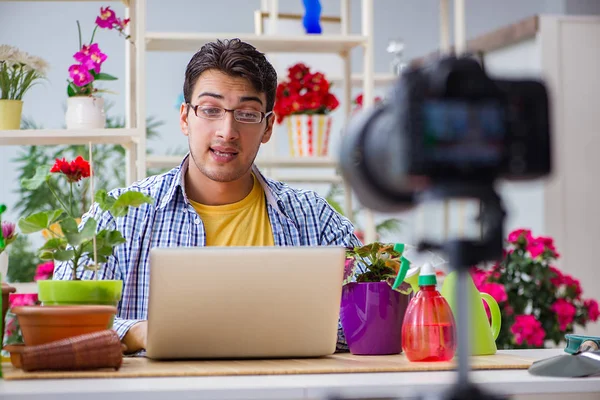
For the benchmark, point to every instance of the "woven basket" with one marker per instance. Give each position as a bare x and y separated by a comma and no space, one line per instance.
89,351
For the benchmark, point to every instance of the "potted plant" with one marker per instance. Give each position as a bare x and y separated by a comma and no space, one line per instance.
539,303
304,100
19,71
372,312
81,247
85,110
7,236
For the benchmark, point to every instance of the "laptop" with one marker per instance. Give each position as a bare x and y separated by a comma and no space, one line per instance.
244,302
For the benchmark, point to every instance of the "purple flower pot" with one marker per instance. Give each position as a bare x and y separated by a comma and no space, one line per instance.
371,315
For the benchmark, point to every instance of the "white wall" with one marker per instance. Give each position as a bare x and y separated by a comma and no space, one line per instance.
48,29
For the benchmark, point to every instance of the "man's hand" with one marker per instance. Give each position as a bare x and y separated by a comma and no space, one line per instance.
135,338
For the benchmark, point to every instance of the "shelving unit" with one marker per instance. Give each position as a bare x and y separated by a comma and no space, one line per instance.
340,44
133,136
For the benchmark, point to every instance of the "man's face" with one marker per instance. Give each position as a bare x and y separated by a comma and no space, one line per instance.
224,149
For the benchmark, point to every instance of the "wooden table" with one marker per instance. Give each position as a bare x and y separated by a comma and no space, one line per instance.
518,383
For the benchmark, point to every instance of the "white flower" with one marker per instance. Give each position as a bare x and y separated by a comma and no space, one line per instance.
39,65
6,52
21,58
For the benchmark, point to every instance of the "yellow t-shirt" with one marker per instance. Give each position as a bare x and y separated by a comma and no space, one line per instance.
245,223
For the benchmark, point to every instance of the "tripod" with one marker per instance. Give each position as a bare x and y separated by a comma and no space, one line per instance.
462,255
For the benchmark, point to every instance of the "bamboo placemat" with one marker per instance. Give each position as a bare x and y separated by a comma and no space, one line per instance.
338,363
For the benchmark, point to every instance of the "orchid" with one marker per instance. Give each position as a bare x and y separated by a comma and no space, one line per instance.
539,302
81,246
90,57
7,231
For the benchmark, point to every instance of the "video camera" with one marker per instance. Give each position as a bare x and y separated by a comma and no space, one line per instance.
446,122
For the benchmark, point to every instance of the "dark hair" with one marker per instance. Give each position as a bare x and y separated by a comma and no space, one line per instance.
236,58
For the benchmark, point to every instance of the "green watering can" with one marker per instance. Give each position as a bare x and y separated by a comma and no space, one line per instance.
482,335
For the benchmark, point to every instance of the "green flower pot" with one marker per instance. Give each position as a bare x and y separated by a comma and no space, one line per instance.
86,292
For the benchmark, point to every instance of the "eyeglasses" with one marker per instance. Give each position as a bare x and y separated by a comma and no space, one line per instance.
240,115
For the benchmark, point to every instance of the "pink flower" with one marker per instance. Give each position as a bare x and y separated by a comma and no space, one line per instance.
91,57
479,277
508,310
348,268
44,271
558,278
515,235
22,299
565,312
80,75
107,18
496,290
8,229
536,248
528,330
573,285
592,309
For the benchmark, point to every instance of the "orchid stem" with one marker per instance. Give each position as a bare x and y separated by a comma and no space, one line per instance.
79,31
93,34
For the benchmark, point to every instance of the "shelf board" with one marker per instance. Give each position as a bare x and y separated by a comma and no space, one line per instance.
297,162
191,42
381,79
44,137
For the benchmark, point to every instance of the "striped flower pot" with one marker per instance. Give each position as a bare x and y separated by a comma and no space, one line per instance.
309,134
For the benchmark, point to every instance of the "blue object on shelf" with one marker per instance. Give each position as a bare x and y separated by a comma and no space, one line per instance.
312,16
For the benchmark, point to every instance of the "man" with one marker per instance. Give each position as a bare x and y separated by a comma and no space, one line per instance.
216,197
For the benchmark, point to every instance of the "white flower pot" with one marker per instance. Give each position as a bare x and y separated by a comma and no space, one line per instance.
3,265
85,112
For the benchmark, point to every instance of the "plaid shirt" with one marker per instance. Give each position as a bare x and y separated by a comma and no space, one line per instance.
298,218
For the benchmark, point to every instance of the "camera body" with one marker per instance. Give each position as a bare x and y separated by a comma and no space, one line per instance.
447,122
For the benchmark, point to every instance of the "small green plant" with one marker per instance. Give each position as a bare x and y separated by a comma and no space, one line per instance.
82,248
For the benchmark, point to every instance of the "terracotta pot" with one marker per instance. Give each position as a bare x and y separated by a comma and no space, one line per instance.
6,290
47,324
15,351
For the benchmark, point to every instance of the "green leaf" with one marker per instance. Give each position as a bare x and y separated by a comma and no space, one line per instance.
54,216
34,223
105,77
71,89
63,255
41,176
104,200
47,256
89,229
69,225
129,199
113,238
55,244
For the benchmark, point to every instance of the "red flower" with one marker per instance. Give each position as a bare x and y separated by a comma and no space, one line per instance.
303,92
573,286
44,271
592,309
536,248
565,312
528,330
74,170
